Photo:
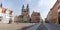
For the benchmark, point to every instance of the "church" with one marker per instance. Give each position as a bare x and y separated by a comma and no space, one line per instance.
25,13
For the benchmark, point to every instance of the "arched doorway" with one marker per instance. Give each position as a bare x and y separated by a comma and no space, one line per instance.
59,17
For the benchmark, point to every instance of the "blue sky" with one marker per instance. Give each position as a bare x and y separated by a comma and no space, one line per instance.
42,6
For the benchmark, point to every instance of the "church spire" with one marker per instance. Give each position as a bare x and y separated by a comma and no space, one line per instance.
1,5
23,7
27,6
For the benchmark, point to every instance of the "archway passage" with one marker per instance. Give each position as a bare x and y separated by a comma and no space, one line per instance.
59,20
59,17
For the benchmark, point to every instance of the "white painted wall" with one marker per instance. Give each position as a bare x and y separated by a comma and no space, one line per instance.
6,16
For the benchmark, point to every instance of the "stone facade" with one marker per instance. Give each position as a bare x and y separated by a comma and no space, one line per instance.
25,13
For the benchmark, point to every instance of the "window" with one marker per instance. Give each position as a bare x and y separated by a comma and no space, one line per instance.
59,13
59,7
0,18
38,13
24,11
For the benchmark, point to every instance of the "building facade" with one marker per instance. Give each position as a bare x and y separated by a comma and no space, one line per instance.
25,13
35,17
49,17
54,13
5,15
54,10
25,17
58,11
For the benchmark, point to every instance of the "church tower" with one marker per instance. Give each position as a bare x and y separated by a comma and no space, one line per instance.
27,8
22,9
25,11
1,5
0,8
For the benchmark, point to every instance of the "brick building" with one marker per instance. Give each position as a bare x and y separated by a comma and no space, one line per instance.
55,16
58,11
35,17
54,10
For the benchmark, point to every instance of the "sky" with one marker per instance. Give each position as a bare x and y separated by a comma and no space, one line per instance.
41,6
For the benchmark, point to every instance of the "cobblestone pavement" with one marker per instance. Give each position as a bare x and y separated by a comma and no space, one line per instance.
30,26
14,26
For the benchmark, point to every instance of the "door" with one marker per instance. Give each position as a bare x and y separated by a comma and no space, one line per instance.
59,17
